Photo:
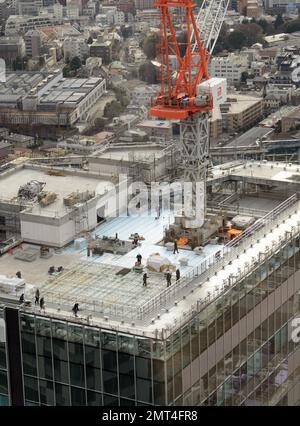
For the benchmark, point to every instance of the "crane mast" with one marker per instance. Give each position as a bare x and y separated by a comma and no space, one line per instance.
185,93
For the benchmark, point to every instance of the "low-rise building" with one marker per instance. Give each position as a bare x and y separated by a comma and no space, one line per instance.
41,99
230,67
33,43
81,146
291,121
157,128
102,49
75,46
12,48
150,16
5,149
6,9
21,24
16,139
144,4
240,112
29,7
142,95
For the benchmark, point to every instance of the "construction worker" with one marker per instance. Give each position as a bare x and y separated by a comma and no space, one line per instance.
175,247
145,279
139,258
37,296
168,277
157,212
135,240
42,304
177,274
75,309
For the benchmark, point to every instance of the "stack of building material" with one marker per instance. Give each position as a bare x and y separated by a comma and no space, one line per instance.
11,285
158,263
78,197
56,172
47,198
45,252
28,254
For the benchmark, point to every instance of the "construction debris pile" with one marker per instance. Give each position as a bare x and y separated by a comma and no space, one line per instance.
78,197
46,198
31,190
55,172
106,244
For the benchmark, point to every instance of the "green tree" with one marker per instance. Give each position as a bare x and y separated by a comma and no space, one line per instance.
99,124
149,45
148,73
292,26
278,21
244,77
121,96
66,71
252,34
264,25
18,64
112,109
75,63
42,61
235,40
221,42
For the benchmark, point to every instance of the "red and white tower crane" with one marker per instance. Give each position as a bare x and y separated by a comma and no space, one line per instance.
186,93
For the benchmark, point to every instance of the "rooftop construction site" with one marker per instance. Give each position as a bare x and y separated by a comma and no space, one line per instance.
149,250
53,232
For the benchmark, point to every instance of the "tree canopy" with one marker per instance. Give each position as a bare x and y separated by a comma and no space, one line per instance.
278,21
112,109
148,72
149,45
292,26
236,40
75,63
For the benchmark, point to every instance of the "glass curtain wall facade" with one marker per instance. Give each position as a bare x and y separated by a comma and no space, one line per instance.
69,364
236,351
4,399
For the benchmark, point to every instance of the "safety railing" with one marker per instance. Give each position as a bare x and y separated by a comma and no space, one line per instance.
181,288
215,262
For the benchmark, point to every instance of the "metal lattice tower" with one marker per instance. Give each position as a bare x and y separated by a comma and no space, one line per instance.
194,148
178,98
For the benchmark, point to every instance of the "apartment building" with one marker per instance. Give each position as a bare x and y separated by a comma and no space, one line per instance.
22,24
230,67
33,43
29,7
291,120
75,46
240,112
144,4
102,49
12,48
